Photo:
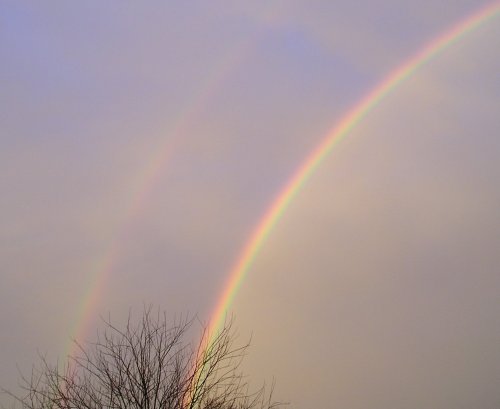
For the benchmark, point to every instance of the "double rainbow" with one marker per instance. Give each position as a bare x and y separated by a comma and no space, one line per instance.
279,205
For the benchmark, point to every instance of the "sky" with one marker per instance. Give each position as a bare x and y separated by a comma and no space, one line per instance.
141,143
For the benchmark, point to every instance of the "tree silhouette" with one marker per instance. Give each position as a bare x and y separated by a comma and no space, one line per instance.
146,365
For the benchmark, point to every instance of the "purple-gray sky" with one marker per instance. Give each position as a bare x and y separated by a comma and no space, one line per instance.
379,287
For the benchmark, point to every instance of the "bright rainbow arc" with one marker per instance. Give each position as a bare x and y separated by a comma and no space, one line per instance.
316,157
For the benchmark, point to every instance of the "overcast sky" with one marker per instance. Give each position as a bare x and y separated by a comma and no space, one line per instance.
141,142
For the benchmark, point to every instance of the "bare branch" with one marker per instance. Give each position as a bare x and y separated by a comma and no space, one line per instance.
147,365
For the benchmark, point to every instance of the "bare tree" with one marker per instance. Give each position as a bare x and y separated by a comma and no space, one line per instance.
147,365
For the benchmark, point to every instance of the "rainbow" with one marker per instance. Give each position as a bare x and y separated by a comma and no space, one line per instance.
145,182
147,179
315,158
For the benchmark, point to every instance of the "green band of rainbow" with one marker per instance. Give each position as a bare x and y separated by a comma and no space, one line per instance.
316,157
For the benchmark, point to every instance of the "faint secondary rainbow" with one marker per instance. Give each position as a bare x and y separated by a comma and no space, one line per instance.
146,180
316,157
